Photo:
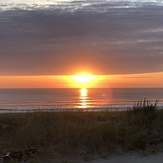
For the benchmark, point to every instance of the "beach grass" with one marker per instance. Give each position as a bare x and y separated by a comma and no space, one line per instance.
69,133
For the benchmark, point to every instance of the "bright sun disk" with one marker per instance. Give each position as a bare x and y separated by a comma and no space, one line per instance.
83,78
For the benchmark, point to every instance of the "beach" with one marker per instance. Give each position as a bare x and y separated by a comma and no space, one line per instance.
86,136
130,157
123,158
134,158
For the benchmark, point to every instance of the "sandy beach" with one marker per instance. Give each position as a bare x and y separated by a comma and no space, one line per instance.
134,158
124,158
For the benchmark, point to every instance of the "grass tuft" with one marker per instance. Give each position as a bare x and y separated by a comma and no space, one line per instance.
145,106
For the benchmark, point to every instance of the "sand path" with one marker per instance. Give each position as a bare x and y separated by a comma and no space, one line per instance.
125,158
131,158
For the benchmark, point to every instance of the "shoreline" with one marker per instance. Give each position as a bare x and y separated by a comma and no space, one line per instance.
91,109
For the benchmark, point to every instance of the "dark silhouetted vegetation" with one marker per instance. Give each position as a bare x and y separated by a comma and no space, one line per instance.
55,133
145,107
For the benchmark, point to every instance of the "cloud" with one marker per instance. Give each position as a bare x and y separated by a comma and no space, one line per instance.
138,77
72,36
78,5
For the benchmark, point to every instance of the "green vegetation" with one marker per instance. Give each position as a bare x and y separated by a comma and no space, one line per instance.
55,133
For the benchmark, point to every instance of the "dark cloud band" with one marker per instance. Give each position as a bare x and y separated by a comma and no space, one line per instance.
100,37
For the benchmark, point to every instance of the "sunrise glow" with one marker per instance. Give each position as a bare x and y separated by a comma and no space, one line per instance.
145,80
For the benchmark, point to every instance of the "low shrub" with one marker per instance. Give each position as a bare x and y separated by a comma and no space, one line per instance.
145,107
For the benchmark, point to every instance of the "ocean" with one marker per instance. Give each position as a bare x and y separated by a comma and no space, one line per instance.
22,100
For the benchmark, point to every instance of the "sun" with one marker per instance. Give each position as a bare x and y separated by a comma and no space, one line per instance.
83,81
83,78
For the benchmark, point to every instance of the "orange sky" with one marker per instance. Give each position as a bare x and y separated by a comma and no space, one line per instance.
146,80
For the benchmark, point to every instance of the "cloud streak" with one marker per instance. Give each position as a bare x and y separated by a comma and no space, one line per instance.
74,5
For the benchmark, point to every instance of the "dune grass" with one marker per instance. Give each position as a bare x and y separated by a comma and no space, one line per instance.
55,133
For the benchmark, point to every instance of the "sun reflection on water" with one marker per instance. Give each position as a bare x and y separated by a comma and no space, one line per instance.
83,98
90,99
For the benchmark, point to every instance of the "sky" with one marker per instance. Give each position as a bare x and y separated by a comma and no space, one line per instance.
120,40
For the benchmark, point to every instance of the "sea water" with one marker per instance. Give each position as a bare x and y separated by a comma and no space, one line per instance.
75,99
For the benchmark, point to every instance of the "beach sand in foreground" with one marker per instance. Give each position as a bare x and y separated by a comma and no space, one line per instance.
124,158
131,158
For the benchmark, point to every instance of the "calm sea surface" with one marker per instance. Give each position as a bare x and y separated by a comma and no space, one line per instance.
45,99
